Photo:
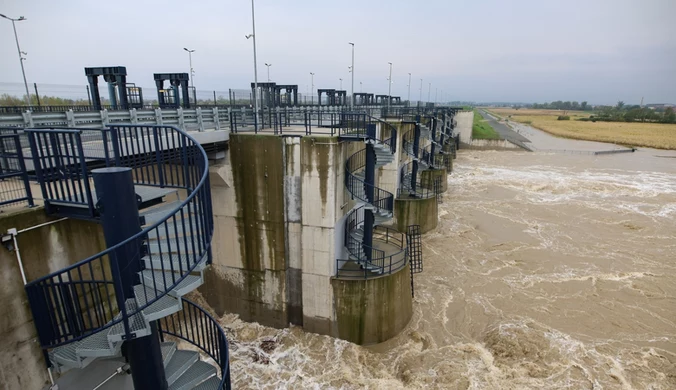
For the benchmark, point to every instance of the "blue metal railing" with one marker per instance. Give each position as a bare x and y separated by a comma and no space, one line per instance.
14,185
388,260
82,299
194,325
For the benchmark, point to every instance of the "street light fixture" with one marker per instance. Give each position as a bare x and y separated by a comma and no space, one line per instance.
341,84
268,65
192,74
420,91
352,71
312,83
253,35
361,87
389,88
21,57
429,93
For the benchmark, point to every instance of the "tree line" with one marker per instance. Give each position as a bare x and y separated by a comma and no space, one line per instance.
620,112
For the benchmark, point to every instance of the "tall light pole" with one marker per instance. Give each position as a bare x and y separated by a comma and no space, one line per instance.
341,84
352,71
21,58
421,91
429,93
389,87
253,35
312,82
409,89
268,65
192,74
361,87
436,93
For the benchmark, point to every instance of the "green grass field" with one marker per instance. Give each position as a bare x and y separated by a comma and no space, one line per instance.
481,129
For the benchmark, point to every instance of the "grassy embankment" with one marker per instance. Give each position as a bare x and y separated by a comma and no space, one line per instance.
653,135
481,129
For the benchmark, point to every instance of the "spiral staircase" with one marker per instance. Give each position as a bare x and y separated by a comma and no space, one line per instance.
374,205
85,312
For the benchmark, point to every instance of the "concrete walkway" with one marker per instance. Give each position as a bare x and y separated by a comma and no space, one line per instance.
505,131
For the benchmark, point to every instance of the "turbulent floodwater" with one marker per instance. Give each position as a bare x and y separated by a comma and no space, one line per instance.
546,271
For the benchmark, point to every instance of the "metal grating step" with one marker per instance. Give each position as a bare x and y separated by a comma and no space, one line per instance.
179,228
196,374
148,193
179,364
157,280
212,383
137,324
159,213
174,246
181,261
163,307
168,349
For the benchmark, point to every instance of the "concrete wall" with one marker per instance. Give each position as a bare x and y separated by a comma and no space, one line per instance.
465,121
373,310
279,206
492,144
43,250
423,212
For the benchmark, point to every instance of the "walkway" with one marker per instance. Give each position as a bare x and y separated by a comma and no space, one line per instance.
502,129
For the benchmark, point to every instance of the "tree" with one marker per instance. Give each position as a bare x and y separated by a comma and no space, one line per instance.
669,115
619,105
583,106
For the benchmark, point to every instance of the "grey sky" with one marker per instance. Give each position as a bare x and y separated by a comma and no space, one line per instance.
482,50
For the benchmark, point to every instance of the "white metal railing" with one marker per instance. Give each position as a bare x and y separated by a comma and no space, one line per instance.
198,119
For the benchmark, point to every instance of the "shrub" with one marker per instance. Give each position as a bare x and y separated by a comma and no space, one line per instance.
563,118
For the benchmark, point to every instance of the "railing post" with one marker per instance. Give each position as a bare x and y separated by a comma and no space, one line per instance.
24,174
118,207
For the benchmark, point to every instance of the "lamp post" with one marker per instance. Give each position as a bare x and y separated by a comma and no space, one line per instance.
409,89
21,58
192,74
341,84
253,35
312,82
361,87
421,91
429,93
389,87
352,71
268,65
436,93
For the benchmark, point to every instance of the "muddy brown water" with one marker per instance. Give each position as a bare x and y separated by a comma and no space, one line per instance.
547,271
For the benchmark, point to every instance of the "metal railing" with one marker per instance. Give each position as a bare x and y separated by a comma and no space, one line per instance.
388,260
14,185
424,188
194,325
87,297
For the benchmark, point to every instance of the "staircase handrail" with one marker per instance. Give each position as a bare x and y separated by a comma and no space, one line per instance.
199,199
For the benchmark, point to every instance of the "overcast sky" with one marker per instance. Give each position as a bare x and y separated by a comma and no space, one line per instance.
601,51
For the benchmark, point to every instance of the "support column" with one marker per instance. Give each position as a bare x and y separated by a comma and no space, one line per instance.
186,93
160,96
120,220
434,136
94,89
112,95
122,91
369,179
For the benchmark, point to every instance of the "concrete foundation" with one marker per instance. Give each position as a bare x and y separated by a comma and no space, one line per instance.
465,121
371,311
415,211
43,250
428,176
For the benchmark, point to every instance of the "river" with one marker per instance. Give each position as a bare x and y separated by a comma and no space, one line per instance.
547,271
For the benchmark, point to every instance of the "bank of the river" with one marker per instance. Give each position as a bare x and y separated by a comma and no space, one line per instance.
652,135
481,129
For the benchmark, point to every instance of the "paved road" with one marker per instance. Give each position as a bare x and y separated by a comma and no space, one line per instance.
502,129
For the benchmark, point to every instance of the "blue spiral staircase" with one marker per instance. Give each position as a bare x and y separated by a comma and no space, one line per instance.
84,312
364,230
